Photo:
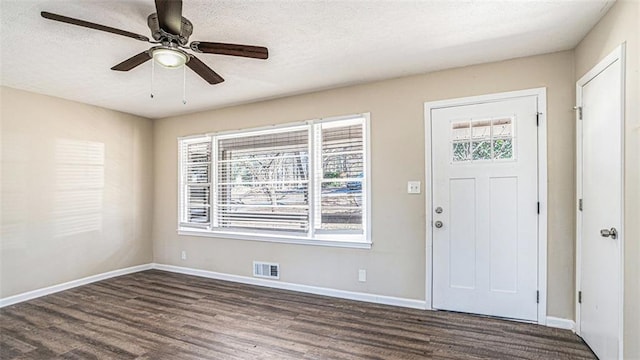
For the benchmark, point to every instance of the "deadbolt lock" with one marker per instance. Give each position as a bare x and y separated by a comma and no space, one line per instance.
438,224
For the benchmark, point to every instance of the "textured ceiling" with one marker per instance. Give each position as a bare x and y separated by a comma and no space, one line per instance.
312,44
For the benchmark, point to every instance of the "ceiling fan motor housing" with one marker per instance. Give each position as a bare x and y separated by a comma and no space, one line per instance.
160,35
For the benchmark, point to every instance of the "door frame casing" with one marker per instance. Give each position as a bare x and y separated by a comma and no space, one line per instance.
541,97
618,54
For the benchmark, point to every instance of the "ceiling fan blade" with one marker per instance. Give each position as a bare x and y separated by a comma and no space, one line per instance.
255,52
170,15
78,22
204,71
132,62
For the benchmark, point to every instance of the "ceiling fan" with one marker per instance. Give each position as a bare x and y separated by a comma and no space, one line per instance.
171,31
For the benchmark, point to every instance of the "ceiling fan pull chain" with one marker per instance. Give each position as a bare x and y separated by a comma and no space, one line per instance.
152,71
184,85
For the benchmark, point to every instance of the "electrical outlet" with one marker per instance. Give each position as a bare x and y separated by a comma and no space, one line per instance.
362,275
413,187
183,256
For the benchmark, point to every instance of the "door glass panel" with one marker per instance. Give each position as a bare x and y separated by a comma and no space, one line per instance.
503,149
461,151
481,129
502,128
481,145
502,138
482,140
481,150
460,134
461,131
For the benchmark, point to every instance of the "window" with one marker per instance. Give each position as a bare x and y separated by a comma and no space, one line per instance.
304,183
195,184
263,181
482,140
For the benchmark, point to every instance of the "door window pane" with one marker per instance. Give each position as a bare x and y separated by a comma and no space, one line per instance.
482,140
502,139
460,134
481,150
503,149
461,151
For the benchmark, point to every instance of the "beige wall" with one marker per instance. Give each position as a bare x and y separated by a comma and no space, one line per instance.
76,186
622,24
396,263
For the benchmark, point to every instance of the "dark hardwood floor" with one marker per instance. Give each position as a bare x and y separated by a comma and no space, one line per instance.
160,315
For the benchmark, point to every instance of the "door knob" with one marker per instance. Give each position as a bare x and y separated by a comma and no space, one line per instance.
438,224
438,210
613,233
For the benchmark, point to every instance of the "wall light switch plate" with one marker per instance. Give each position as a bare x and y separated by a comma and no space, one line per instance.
413,187
183,255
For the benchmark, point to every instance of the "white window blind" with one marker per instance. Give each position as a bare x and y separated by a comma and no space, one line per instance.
306,182
195,182
263,181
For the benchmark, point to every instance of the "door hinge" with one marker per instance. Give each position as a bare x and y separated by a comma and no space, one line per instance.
580,204
537,119
579,110
537,296
579,297
538,207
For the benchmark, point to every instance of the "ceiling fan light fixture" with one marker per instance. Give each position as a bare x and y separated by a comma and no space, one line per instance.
170,59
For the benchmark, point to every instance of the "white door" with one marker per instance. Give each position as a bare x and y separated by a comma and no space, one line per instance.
485,208
600,188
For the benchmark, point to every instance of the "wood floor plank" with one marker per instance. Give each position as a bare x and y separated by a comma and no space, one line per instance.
161,315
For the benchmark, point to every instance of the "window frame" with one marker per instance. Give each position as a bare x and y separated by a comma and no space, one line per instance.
313,236
181,185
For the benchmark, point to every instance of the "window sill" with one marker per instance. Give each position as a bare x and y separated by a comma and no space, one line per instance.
276,239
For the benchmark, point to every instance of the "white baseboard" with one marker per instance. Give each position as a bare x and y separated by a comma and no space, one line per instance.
343,294
561,323
71,284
